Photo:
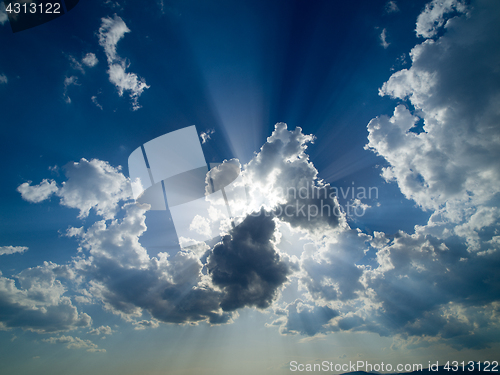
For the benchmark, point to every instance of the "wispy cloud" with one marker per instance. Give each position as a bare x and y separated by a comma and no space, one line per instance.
3,79
391,7
97,104
110,33
383,39
69,81
205,136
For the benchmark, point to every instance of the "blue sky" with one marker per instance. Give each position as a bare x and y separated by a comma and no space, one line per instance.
398,96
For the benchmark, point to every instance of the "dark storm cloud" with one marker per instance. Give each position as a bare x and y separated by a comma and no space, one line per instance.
246,265
129,283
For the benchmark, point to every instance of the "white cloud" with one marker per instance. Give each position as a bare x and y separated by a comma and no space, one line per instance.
3,78
110,32
39,304
94,100
95,185
75,64
436,283
143,324
391,7
69,81
39,192
90,185
439,284
102,330
205,136
6,250
75,343
90,60
433,17
383,39
453,85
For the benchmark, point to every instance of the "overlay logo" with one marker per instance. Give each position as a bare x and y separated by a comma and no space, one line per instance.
170,172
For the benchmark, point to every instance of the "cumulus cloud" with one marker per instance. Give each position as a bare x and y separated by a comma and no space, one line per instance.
434,16
247,266
110,33
455,93
129,282
93,184
330,269
102,330
39,303
38,193
6,250
282,179
438,284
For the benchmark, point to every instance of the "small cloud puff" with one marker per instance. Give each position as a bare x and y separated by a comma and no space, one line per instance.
90,60
205,136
